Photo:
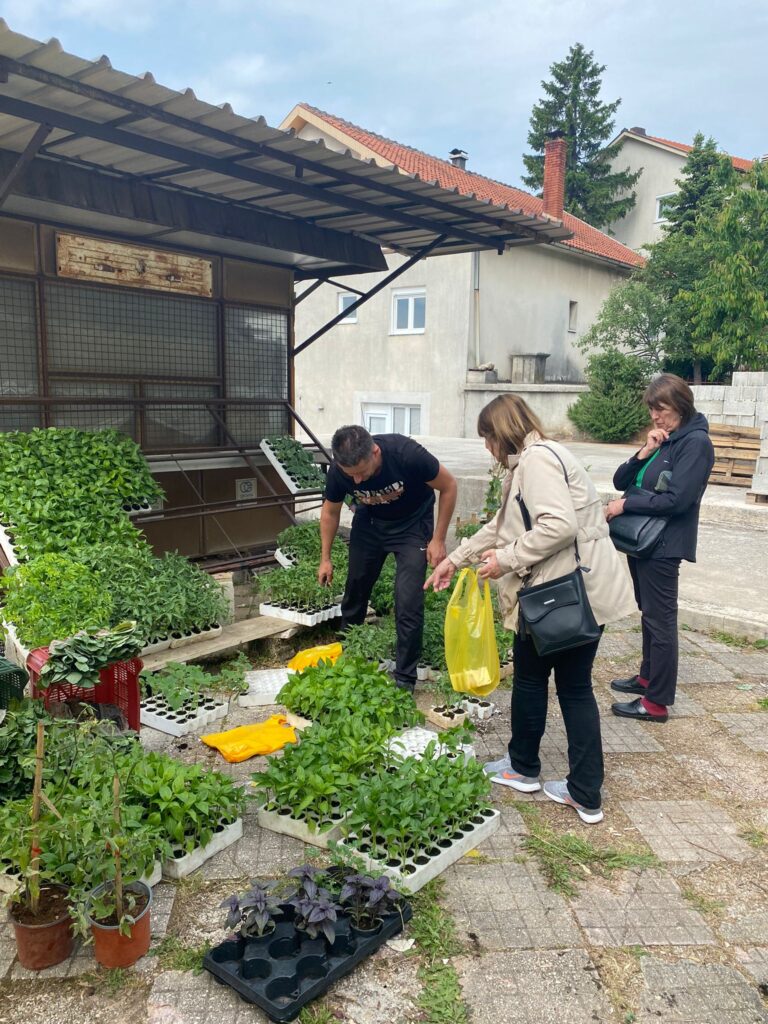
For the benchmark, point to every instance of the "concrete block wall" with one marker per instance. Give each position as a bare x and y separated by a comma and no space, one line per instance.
743,403
760,479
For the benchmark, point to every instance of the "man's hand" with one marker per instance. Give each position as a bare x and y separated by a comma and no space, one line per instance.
490,570
435,552
442,575
325,573
654,441
614,508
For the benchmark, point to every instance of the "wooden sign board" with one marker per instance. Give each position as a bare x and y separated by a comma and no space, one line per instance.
132,266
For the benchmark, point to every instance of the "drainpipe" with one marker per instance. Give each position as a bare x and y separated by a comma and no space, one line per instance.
476,304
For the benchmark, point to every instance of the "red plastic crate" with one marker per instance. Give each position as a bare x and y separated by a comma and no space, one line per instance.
118,684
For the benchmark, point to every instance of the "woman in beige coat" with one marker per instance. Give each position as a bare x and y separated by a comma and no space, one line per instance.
561,513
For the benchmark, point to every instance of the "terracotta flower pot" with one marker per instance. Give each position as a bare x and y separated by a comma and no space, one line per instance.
110,947
44,943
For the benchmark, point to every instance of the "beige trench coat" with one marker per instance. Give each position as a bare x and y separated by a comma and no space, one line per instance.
559,514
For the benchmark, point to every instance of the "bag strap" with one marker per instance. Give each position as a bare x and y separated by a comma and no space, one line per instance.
524,508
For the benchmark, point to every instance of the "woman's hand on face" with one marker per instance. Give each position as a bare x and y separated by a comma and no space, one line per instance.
490,569
654,441
614,508
442,575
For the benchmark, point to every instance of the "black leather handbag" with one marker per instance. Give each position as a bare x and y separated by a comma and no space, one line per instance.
636,534
557,614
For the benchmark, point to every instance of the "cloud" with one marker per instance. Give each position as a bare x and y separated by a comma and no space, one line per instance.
35,16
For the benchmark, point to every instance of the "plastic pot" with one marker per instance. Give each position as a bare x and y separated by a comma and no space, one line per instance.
43,945
110,947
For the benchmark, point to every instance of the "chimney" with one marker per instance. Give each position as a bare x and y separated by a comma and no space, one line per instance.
458,158
555,152
637,131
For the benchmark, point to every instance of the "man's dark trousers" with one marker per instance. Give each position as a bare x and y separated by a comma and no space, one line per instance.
369,546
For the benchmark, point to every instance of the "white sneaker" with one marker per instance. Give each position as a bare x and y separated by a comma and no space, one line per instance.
558,791
505,775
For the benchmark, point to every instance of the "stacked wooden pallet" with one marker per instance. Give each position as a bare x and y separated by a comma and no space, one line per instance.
736,453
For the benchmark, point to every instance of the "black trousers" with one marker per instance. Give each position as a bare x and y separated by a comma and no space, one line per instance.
656,585
368,548
573,682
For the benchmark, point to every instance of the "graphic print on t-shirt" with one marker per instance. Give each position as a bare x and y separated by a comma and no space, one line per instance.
382,497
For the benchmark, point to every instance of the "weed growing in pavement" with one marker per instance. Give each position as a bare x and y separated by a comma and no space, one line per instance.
317,1014
738,641
173,955
763,703
433,929
566,858
755,836
700,902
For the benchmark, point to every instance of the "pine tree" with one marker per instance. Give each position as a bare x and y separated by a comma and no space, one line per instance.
593,191
706,183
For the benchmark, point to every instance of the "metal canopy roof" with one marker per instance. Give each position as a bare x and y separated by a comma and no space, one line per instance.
85,145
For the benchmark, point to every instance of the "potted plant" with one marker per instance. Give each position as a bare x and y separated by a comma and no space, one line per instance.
252,914
40,910
451,711
368,901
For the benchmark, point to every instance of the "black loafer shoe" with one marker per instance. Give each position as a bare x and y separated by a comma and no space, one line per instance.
630,685
636,709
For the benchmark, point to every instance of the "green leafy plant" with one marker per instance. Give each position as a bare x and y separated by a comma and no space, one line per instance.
17,740
78,659
371,642
612,409
297,588
297,462
180,685
383,594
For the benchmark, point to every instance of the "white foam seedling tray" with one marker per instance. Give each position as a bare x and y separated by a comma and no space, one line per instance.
276,611
7,547
290,482
195,638
297,721
413,742
263,687
156,714
417,871
442,722
298,828
153,877
186,863
287,561
425,673
477,713
155,648
15,650
135,508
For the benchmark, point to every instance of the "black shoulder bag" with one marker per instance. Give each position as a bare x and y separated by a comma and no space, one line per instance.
557,614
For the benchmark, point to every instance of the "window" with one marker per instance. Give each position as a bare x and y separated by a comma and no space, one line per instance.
388,419
573,316
663,204
345,301
409,311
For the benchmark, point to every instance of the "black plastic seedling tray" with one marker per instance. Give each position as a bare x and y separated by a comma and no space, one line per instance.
286,970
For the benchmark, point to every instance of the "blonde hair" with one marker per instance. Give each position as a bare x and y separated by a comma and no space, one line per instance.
505,422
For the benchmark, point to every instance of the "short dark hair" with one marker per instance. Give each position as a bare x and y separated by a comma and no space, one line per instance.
351,445
670,390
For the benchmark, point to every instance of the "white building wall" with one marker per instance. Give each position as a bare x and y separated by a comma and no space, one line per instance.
660,169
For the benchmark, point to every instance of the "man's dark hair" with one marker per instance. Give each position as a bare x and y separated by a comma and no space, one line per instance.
351,445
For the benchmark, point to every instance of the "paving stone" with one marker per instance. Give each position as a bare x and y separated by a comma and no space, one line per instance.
746,920
755,962
179,997
615,646
7,945
524,987
685,707
691,669
383,989
687,830
259,853
81,962
751,728
744,663
700,993
645,908
620,736
163,896
508,906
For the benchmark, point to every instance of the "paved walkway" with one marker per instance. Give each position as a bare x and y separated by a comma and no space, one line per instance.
684,939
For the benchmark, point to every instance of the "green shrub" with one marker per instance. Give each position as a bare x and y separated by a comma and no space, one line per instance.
612,410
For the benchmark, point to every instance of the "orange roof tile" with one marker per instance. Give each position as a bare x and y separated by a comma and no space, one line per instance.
430,168
738,162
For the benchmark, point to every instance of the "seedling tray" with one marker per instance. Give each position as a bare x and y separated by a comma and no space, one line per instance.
156,714
15,651
263,687
290,482
413,742
6,544
298,828
297,721
415,872
277,611
442,721
287,561
195,638
185,863
287,970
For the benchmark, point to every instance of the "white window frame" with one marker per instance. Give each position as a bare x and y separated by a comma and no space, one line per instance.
659,200
352,318
573,316
410,294
387,410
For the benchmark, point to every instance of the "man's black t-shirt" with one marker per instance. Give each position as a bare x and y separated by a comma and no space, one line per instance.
399,490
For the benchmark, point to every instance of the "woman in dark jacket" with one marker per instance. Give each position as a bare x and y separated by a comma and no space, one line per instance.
667,477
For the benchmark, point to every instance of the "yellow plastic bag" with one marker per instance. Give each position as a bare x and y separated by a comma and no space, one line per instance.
311,656
250,740
470,641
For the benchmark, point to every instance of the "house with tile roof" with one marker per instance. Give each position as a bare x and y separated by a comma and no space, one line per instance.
403,361
661,162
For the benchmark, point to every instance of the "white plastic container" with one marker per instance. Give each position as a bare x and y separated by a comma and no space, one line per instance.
263,687
299,829
185,863
413,742
156,714
287,479
277,611
286,561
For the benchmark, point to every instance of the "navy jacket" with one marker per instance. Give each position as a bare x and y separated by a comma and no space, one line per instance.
673,486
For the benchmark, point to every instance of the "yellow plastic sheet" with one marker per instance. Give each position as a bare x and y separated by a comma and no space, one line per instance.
470,642
250,740
311,656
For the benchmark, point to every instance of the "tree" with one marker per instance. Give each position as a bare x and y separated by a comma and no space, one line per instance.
572,105
730,300
632,319
707,180
612,409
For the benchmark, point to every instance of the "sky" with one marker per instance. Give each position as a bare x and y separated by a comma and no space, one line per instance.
437,74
